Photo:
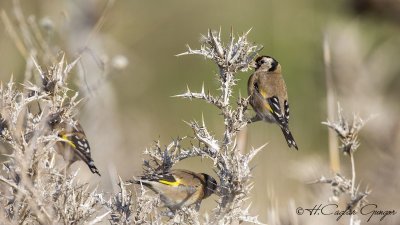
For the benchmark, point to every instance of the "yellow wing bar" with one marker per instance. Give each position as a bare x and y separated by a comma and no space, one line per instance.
269,107
176,183
68,141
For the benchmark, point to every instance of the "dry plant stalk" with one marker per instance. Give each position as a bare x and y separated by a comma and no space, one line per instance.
233,167
330,96
347,131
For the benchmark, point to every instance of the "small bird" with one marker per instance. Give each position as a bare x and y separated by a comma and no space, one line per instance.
268,95
76,147
178,187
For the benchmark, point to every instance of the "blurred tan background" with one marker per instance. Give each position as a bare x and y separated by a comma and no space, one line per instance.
126,110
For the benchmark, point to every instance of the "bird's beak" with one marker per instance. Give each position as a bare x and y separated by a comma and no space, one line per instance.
252,64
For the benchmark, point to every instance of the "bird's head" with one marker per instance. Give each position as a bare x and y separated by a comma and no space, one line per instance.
267,63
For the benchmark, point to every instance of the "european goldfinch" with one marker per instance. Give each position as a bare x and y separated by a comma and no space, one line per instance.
268,95
76,146
178,187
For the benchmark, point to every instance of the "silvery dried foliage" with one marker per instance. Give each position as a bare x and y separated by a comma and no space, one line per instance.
35,188
232,167
129,208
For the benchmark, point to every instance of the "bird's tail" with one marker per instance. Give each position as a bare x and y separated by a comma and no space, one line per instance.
289,138
93,168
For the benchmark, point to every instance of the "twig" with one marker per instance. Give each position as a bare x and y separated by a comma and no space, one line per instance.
353,180
333,145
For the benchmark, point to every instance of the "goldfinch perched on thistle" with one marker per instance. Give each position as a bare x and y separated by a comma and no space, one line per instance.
76,146
268,95
178,188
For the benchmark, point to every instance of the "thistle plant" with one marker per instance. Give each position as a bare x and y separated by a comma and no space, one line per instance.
35,187
232,167
347,131
230,59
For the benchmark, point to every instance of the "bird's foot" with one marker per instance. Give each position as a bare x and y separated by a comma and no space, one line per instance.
253,119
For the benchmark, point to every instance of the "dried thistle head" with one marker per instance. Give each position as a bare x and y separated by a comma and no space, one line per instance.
231,57
347,130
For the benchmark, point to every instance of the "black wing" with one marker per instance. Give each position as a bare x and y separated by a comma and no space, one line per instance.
164,176
81,144
286,105
82,148
273,102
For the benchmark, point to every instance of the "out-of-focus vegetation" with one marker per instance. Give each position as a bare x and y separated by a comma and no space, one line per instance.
128,109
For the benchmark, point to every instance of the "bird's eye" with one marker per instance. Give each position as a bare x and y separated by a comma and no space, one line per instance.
262,62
